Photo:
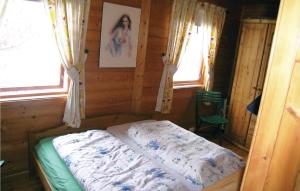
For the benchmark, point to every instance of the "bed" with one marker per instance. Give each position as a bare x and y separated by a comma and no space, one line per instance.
49,153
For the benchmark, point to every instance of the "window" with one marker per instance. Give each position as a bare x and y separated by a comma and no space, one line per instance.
29,59
190,66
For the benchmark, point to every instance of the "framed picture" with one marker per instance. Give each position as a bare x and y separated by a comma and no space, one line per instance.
119,36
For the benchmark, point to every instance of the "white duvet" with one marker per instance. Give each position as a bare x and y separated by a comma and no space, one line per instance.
99,161
201,162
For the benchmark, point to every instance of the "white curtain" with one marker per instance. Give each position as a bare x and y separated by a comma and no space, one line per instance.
69,19
211,19
180,26
2,8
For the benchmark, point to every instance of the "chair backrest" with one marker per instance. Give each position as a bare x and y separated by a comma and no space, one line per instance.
209,96
212,98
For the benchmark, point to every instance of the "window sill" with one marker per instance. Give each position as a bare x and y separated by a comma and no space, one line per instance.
29,98
184,86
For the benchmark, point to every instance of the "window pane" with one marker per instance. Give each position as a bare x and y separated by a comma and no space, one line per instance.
28,53
190,64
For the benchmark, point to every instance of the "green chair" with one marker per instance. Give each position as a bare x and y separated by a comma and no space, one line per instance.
213,103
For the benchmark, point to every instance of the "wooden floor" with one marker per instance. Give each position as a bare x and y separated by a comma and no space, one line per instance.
24,182
237,150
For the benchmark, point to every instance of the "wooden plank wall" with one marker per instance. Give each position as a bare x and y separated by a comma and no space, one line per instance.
261,11
107,90
297,187
110,90
226,53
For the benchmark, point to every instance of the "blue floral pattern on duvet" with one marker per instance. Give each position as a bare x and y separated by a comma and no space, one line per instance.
99,161
153,144
201,162
123,186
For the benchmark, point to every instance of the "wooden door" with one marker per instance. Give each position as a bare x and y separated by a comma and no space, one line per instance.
250,56
261,79
274,157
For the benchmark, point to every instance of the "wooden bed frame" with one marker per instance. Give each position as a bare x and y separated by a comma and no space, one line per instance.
230,183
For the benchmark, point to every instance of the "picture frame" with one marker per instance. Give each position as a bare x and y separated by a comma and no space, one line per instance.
119,36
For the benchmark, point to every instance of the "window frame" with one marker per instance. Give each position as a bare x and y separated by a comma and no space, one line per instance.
187,83
192,83
28,91
32,91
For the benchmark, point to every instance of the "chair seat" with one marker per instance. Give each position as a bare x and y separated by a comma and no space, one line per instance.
215,119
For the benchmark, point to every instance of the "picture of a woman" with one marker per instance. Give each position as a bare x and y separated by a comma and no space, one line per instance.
120,38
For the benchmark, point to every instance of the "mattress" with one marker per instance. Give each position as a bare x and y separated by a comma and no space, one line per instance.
59,176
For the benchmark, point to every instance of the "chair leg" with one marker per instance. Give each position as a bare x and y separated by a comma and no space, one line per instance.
216,131
198,126
220,136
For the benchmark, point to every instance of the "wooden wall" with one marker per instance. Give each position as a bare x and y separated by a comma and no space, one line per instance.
226,53
261,11
110,90
297,187
17,118
107,90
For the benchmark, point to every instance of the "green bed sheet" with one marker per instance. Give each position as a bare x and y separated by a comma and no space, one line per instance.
58,173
